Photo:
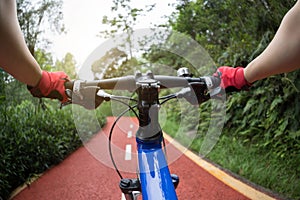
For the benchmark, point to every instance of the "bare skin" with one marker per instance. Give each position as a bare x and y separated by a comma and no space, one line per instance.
283,53
15,57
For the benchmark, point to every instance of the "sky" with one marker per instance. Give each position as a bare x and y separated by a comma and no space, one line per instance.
83,22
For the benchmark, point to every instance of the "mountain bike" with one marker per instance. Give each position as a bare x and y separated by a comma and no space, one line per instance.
154,180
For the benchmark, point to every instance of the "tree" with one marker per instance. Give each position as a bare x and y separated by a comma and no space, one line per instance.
68,65
235,32
44,59
125,22
37,16
232,31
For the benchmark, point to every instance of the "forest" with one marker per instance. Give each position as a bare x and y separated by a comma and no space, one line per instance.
260,138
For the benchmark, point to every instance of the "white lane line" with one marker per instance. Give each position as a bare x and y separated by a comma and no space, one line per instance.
131,126
128,152
129,134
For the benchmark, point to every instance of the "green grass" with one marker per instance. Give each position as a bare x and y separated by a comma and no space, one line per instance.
260,167
256,165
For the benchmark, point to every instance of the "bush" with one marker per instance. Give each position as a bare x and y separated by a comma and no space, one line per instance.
268,115
32,140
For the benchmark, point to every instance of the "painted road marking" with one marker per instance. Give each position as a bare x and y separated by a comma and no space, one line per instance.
128,152
131,126
129,134
232,182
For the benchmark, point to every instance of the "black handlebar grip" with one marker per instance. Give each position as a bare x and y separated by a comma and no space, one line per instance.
69,85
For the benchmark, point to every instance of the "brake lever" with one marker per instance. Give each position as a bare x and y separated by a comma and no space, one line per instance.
194,94
69,94
216,93
83,95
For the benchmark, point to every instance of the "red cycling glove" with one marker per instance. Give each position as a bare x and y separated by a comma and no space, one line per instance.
51,86
232,77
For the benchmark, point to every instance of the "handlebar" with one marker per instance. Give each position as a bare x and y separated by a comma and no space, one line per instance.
194,90
129,82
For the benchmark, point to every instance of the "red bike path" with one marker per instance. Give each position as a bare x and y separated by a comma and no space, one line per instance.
87,175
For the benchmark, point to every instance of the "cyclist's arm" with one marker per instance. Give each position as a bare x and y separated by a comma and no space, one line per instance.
283,53
15,57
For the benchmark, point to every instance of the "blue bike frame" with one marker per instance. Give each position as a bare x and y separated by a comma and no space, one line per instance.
155,178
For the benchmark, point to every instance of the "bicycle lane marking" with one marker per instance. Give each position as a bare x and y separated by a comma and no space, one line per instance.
128,146
128,152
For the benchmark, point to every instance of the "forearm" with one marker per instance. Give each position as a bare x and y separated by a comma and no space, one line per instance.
15,57
283,53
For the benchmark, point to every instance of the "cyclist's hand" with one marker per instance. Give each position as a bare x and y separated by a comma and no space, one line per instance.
85,96
51,86
232,79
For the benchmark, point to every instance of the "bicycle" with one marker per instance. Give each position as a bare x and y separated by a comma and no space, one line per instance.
154,179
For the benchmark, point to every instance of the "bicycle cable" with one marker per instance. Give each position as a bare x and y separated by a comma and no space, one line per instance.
111,131
167,98
123,97
117,98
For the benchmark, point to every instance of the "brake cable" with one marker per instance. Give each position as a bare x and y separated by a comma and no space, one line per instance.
117,98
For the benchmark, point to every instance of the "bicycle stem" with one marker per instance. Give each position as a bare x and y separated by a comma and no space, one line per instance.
148,107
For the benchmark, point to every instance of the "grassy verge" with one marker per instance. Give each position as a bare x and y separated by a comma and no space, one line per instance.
258,166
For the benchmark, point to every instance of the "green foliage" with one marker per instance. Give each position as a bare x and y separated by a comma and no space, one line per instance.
34,16
67,65
125,18
108,64
44,59
32,141
234,33
270,115
124,21
231,28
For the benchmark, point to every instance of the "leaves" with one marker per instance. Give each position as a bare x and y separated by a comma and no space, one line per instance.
33,16
31,142
67,65
234,33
